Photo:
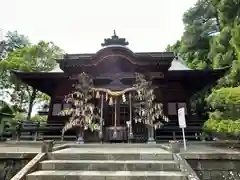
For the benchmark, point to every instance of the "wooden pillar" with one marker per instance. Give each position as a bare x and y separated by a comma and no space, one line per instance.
50,109
101,120
115,119
130,118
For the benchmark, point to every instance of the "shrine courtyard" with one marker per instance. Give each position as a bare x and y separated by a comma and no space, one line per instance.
121,82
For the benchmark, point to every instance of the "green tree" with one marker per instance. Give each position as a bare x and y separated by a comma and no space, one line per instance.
33,58
12,41
211,39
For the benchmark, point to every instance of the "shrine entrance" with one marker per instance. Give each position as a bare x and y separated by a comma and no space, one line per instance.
122,118
118,123
139,130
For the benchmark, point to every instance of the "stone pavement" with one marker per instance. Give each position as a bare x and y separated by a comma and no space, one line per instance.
31,146
113,150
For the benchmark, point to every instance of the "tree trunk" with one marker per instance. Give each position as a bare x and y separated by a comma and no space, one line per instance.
218,21
32,97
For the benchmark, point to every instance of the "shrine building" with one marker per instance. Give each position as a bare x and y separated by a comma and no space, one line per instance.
113,67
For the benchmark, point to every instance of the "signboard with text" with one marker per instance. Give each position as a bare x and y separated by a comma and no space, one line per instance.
181,118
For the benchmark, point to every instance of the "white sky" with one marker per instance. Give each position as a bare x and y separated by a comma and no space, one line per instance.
79,26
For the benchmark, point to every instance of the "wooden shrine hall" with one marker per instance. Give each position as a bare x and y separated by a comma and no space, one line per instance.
113,67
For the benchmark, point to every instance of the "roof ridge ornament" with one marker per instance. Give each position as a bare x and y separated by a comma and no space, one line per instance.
114,40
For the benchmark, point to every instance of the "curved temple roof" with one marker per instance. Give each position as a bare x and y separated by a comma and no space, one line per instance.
165,65
177,64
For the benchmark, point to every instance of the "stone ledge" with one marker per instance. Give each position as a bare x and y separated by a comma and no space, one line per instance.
213,155
118,145
185,167
17,155
106,175
60,147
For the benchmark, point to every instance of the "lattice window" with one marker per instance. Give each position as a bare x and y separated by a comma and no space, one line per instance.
66,106
57,108
172,108
183,105
124,114
110,116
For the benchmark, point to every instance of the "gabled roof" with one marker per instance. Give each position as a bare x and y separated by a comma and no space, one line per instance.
56,69
178,64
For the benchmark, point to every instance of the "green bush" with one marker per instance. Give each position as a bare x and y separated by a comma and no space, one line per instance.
224,97
225,103
228,127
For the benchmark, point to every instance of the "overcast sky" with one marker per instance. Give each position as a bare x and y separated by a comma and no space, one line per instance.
79,26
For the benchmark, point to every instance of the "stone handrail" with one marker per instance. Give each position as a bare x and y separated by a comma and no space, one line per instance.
30,167
185,167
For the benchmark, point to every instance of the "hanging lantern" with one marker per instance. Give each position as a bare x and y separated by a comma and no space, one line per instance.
110,101
124,98
97,95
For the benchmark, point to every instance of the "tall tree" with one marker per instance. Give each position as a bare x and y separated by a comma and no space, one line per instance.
211,39
33,58
201,23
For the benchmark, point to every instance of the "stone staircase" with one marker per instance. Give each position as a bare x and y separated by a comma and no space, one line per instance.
108,164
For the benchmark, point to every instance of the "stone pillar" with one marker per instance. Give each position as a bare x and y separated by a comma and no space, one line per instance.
151,139
47,146
80,136
174,146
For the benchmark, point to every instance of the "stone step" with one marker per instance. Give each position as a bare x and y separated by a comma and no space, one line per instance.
110,156
110,165
106,175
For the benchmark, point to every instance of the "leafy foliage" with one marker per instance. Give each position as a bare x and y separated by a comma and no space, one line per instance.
6,108
13,41
226,103
83,113
32,58
211,40
225,117
228,127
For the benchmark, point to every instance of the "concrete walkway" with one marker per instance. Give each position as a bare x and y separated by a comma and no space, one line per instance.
35,147
116,150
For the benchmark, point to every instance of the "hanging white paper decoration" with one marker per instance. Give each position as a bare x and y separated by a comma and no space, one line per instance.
124,98
97,95
110,101
106,96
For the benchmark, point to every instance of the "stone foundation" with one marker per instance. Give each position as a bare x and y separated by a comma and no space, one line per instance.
215,166
11,163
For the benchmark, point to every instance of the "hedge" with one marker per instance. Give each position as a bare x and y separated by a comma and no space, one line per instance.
225,103
229,127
